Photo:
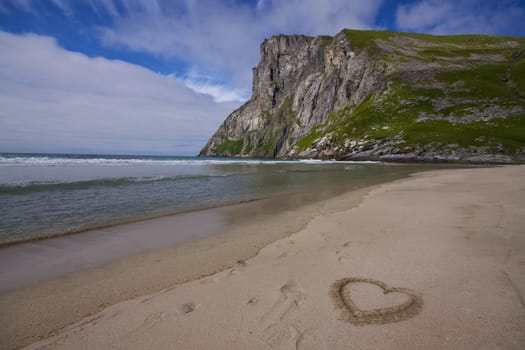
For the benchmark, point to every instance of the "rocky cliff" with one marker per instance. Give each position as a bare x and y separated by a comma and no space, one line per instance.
382,96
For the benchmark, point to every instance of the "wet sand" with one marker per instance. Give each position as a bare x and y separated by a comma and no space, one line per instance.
434,261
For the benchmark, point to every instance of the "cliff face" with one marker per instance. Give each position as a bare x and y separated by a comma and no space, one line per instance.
382,95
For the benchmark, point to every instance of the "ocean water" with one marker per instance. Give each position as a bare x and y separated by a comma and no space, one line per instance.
45,195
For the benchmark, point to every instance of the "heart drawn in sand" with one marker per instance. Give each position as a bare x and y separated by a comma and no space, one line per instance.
361,305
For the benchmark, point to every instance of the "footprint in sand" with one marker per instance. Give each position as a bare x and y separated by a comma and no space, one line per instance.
310,340
342,257
186,308
291,291
280,336
367,301
276,332
291,295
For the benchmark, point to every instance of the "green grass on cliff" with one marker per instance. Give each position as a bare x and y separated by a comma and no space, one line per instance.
465,40
444,49
488,81
402,109
363,39
326,40
394,112
230,147
411,112
517,73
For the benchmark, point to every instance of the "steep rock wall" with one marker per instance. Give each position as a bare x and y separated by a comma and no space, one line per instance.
377,95
297,83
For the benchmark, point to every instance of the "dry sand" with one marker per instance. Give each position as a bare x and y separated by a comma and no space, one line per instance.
434,261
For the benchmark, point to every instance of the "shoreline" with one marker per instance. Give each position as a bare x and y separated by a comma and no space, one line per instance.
37,260
9,239
313,232
85,292
164,232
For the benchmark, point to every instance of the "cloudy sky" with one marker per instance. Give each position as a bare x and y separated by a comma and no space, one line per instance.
159,76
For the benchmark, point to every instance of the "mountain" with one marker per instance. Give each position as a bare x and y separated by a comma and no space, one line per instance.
381,95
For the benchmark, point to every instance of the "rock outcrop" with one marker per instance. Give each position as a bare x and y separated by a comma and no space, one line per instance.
382,96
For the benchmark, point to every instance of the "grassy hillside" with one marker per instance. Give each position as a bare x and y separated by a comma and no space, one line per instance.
446,93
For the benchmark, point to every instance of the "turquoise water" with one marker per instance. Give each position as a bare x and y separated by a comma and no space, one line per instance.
44,195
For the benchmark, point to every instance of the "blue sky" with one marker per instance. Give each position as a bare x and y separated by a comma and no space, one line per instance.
158,77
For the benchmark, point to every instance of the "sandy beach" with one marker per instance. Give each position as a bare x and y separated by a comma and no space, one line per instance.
433,261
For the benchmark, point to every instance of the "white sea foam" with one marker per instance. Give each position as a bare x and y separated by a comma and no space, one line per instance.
58,161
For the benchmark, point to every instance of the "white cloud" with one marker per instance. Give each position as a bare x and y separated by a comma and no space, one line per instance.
57,100
219,92
199,81
262,5
52,99
221,36
226,35
461,16
103,7
63,5
423,14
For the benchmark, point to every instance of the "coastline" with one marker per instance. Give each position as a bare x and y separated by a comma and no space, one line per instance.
40,259
65,202
289,279
82,293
